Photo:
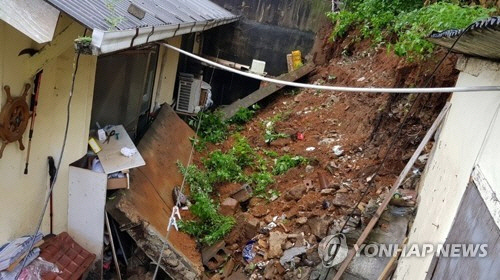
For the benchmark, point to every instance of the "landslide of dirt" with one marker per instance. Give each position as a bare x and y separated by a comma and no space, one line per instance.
363,124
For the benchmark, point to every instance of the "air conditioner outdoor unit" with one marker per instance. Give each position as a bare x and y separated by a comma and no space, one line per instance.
188,97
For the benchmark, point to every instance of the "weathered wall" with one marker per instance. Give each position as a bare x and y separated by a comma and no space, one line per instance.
455,154
22,195
268,30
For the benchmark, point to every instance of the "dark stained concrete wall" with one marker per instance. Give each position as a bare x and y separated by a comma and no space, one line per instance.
268,30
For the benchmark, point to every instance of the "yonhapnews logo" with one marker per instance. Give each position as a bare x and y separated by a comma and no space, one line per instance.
333,250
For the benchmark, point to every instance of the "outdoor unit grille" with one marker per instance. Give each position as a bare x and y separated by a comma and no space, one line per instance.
189,93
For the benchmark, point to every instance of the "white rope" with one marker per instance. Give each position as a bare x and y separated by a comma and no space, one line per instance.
337,88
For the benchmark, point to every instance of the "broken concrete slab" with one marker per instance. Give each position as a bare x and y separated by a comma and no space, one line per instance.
276,240
243,194
291,253
144,209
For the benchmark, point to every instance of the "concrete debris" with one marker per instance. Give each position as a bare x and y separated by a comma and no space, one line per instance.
228,268
301,220
327,191
214,256
319,225
327,141
337,150
290,254
229,206
260,211
309,169
243,194
341,200
251,227
276,240
310,149
295,193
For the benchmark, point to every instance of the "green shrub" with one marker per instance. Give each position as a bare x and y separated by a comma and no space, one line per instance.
245,155
243,115
213,127
261,181
223,167
286,162
408,19
210,226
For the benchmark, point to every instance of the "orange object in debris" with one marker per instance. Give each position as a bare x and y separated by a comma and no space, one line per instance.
297,59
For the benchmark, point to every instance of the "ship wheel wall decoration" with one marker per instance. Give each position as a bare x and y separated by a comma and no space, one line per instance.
14,118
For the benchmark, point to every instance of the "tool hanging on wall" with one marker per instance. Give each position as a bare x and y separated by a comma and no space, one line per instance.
33,106
14,118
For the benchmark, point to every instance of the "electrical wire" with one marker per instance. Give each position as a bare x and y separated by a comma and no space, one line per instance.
395,138
63,148
335,88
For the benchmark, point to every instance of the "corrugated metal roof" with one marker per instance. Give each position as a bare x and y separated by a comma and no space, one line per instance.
97,14
482,39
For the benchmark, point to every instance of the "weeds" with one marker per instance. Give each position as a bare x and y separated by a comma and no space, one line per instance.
286,162
243,115
408,19
210,226
242,151
223,167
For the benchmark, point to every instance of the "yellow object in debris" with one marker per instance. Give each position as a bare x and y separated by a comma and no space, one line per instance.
297,59
94,145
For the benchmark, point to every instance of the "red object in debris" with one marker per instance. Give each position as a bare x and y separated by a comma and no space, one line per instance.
300,136
71,259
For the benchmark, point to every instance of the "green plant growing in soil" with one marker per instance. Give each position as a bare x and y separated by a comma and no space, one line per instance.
213,128
409,20
244,115
286,162
223,167
245,155
210,226
261,181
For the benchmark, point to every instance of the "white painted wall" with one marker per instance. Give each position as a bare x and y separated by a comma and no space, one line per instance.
454,156
21,196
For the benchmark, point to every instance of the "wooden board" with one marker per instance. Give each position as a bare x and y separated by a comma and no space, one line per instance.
264,92
149,201
473,225
34,18
111,158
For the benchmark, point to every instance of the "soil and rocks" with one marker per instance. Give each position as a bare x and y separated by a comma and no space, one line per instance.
346,137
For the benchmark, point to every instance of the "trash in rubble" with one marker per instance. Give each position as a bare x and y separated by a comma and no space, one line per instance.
97,166
262,265
248,252
300,136
361,79
337,150
11,275
37,268
128,152
290,254
310,149
326,141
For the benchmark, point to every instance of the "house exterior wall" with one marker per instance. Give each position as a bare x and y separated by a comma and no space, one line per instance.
22,196
459,146
167,72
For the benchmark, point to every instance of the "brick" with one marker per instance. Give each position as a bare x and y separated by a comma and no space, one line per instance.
229,206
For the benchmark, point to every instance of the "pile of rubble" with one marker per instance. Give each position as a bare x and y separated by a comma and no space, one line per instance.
287,246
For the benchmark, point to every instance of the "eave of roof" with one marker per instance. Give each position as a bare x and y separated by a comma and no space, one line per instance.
482,39
163,19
